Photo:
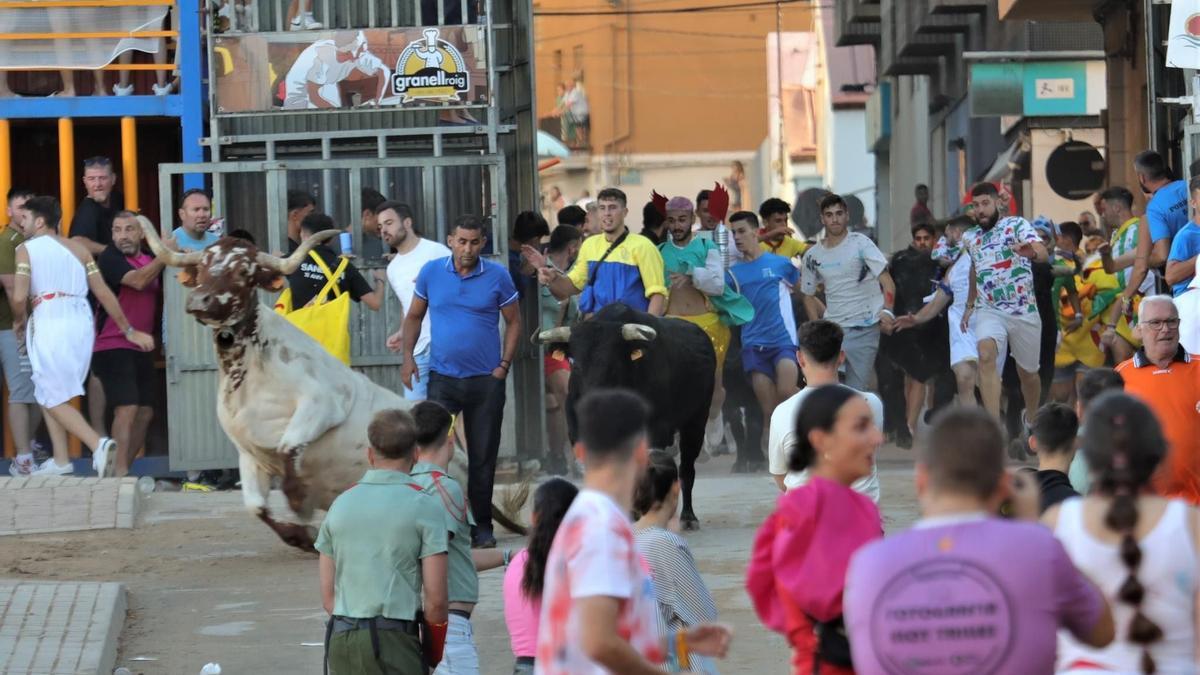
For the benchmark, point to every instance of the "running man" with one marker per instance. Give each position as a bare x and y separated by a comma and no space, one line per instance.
951,295
859,291
769,339
699,295
617,267
312,81
1002,253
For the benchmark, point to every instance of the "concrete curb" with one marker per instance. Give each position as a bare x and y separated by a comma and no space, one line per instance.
65,503
65,628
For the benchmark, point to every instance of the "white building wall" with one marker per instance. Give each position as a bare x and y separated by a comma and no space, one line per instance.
909,155
851,166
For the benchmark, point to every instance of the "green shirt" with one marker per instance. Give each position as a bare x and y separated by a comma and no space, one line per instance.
377,532
464,580
10,239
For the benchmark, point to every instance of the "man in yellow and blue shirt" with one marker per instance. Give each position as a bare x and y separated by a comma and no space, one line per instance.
614,266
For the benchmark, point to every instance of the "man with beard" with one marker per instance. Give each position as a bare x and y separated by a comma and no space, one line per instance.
698,294
125,370
921,352
412,252
1001,280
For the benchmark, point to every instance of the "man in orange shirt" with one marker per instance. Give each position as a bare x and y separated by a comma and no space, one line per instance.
1167,378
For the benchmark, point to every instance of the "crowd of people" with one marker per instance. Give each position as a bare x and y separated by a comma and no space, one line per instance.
946,341
831,344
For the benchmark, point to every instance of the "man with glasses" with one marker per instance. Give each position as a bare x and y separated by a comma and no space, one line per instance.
92,224
1167,378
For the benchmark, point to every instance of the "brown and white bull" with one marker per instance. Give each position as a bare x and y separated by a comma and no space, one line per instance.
291,409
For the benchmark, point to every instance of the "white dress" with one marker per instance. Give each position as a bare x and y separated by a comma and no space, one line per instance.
61,331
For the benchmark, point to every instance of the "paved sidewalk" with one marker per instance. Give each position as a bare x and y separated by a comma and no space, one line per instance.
54,628
65,503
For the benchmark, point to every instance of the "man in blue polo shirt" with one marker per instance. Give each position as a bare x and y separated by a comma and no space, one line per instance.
1166,208
465,295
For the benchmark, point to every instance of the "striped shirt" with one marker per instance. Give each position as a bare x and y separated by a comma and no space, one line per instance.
683,599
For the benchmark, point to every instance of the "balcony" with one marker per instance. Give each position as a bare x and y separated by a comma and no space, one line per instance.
856,23
911,17
958,6
892,61
1046,10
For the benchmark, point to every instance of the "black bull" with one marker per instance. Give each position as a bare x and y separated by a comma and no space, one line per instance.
670,362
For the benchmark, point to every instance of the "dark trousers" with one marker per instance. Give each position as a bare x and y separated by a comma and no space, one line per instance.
480,400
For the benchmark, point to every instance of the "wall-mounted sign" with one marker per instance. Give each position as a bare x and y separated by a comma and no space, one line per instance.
345,69
1183,41
1037,88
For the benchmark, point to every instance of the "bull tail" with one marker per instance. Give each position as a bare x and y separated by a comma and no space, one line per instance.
508,511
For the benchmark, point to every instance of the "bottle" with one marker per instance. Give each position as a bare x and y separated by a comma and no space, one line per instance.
145,484
721,237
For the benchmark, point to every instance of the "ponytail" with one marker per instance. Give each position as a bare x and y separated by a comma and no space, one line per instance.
550,503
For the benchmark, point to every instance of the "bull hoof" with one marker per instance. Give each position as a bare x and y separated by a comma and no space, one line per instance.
689,522
296,535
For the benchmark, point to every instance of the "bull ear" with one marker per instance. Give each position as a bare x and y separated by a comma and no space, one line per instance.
187,276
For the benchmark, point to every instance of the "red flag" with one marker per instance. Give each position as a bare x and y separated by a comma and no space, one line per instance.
660,202
718,202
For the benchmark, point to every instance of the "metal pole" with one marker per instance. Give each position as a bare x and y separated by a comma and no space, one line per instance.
129,161
66,172
5,165
1149,38
779,90
327,203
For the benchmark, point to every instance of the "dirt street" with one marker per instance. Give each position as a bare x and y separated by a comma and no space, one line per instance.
207,582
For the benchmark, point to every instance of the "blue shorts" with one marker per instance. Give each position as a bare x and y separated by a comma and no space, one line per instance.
420,390
763,359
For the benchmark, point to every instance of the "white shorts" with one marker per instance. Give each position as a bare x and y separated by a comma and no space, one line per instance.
1021,334
964,346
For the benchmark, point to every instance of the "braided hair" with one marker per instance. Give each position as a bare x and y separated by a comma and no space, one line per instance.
1124,444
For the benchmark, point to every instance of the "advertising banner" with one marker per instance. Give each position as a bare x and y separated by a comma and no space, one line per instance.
344,69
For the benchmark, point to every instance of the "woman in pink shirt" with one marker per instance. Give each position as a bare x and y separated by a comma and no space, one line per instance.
797,569
527,571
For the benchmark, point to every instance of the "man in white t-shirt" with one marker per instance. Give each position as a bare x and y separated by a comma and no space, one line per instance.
599,613
859,291
820,356
412,252
312,81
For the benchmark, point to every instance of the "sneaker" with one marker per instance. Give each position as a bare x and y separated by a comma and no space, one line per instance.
104,456
161,91
49,468
127,90
306,21
21,466
483,539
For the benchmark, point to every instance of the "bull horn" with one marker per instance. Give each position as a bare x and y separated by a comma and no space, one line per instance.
286,266
552,335
170,257
638,331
